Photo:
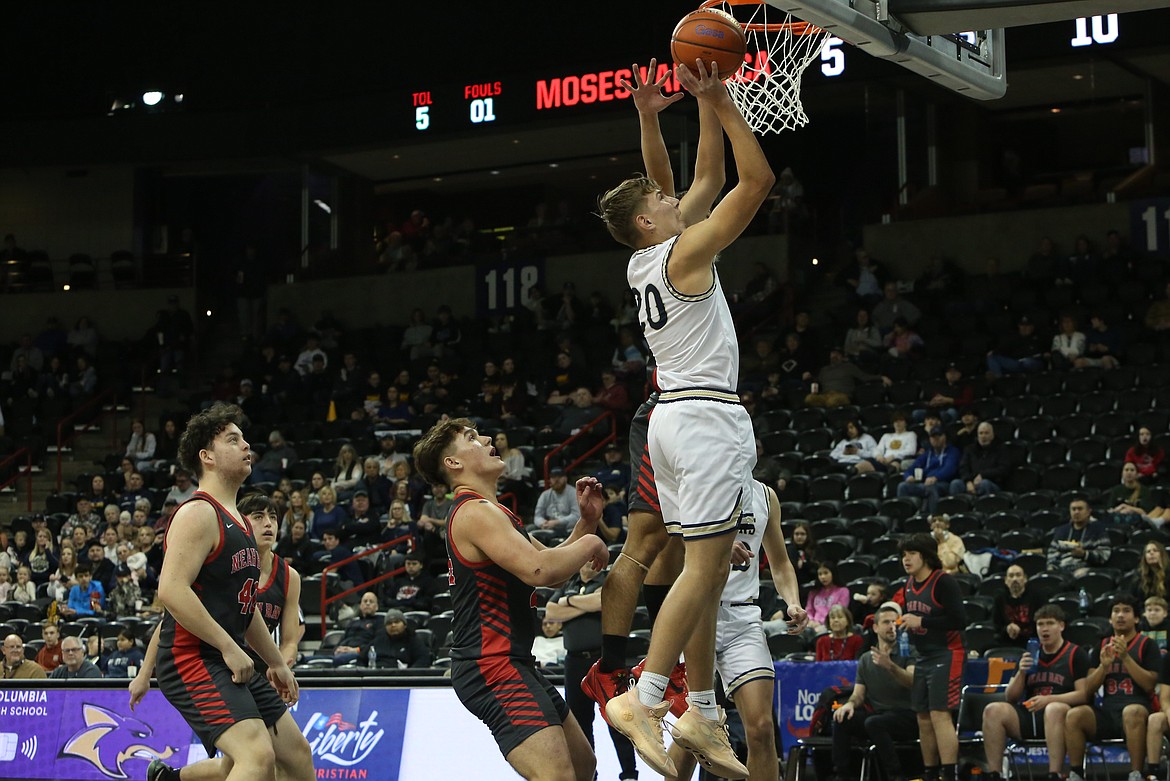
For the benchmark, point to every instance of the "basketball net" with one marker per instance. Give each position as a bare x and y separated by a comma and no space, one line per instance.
766,90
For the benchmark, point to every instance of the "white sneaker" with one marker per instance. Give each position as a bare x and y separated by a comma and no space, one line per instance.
1075,776
1136,775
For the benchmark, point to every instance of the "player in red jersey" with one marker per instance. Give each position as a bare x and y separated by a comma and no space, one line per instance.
280,587
494,566
935,617
208,586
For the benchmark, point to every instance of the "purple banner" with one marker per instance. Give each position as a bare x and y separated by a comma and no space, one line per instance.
86,734
92,734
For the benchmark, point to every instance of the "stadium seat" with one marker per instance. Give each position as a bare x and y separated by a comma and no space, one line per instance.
808,418
836,547
1021,406
853,567
1153,419
1023,479
823,510
991,586
1088,450
1019,540
1004,521
962,523
1125,559
891,568
1082,381
904,393
1058,405
1061,477
812,440
979,540
994,503
865,486
782,645
1113,424
1102,475
777,442
899,508
954,504
1150,375
885,546
827,527
1097,403
1074,426
869,528
858,508
980,636
1046,452
837,417
775,420
1048,583
869,394
978,608
876,415
827,487
1045,384
1085,634
1034,428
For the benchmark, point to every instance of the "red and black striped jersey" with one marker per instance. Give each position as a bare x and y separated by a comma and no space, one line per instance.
1119,687
1057,673
939,602
226,584
495,611
270,597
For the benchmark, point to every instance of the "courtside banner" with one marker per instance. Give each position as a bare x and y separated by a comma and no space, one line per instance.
800,685
92,733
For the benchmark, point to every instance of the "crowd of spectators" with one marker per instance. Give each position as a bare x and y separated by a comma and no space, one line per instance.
914,405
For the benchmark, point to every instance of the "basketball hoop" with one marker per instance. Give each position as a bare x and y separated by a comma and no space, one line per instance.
766,90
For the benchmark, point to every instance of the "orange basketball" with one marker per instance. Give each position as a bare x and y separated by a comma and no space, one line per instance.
711,35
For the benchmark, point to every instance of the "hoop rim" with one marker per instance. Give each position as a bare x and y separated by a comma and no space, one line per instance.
793,28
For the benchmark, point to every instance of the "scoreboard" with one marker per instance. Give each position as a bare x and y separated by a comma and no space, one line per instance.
496,100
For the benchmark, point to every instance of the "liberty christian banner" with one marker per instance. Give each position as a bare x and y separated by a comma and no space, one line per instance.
92,733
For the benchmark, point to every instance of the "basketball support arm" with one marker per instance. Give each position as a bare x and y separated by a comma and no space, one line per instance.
976,71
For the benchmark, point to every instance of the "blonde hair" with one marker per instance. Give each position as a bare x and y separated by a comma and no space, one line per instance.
1157,602
618,207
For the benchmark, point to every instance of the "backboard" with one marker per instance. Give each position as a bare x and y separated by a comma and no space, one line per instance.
958,44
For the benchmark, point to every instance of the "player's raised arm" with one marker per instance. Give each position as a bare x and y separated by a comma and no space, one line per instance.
193,534
484,528
699,243
646,92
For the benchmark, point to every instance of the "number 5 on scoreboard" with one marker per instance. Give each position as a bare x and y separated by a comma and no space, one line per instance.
422,117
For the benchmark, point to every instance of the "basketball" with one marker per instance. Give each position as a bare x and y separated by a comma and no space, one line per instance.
712,36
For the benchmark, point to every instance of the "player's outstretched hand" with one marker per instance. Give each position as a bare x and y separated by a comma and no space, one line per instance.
285,683
598,552
239,663
648,97
139,686
798,619
704,86
590,498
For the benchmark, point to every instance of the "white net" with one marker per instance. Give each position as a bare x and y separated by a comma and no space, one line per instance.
767,88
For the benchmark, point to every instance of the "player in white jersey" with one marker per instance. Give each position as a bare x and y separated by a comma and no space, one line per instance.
701,439
741,649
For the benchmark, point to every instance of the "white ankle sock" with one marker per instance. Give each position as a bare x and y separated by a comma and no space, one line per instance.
705,702
652,688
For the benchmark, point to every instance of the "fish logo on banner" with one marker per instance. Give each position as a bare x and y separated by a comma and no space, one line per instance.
109,739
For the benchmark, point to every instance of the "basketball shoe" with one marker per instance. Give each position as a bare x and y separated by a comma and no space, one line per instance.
676,690
643,726
603,687
161,771
708,741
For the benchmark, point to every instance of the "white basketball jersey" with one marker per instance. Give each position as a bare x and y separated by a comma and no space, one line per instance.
692,337
743,585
